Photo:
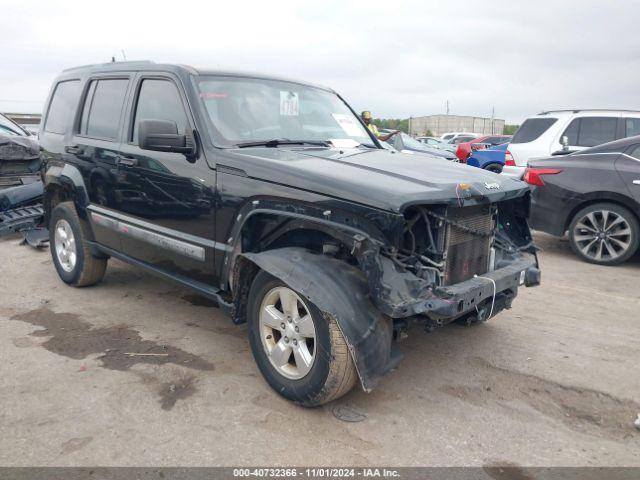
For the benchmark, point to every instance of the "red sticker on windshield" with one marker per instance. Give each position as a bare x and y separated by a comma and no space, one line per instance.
213,95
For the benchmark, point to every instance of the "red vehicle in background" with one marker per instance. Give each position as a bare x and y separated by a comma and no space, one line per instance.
465,149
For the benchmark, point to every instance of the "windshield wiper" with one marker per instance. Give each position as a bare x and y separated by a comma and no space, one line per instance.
274,142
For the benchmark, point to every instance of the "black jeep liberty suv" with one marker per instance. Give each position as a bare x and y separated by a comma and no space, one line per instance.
272,197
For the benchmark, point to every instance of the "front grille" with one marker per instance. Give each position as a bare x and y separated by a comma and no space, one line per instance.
15,166
11,151
467,253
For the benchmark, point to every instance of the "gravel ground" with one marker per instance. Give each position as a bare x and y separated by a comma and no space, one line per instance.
553,381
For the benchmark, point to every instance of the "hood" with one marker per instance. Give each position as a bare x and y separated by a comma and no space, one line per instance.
375,177
14,147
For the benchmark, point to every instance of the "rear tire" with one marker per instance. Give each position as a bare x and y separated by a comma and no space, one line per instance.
71,256
494,167
328,371
604,234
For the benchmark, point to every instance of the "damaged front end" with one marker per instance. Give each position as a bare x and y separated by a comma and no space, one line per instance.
19,160
442,263
458,261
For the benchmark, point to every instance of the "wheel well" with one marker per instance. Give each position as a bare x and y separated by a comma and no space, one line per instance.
270,232
498,164
592,202
54,195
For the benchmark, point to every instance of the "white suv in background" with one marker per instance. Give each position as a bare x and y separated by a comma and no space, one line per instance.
457,137
543,135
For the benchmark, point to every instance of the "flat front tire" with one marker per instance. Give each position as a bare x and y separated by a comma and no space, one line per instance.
300,351
71,256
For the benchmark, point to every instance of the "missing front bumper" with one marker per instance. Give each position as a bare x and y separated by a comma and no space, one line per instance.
447,303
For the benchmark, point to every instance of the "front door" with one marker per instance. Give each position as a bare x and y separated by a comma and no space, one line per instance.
168,204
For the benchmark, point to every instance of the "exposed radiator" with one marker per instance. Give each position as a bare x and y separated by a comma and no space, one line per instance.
15,166
467,253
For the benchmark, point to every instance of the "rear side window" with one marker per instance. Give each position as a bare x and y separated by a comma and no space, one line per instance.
635,152
632,127
532,128
596,131
572,131
159,100
591,131
62,106
103,107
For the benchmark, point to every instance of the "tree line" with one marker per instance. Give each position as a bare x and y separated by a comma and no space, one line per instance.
402,124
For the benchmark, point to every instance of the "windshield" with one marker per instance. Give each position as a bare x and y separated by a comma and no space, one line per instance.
243,110
7,127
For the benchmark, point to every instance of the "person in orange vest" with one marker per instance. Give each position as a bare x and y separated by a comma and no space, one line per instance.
366,118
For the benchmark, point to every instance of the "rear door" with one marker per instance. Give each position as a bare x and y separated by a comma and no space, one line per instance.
168,206
628,166
589,131
95,144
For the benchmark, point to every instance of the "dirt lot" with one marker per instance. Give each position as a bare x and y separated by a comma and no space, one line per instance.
554,381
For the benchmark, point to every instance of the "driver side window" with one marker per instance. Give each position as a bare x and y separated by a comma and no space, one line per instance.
159,100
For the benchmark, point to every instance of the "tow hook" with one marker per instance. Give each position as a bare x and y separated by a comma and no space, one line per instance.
532,277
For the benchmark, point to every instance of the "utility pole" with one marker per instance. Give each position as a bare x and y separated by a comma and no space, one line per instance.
447,107
493,111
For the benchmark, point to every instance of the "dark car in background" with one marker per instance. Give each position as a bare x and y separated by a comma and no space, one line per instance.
19,155
593,194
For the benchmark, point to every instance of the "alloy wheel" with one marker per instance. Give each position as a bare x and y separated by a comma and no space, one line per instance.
602,235
287,332
65,245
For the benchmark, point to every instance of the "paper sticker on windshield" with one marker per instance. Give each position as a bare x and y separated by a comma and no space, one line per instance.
289,105
344,142
348,124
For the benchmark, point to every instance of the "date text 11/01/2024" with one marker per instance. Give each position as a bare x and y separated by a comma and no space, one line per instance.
316,472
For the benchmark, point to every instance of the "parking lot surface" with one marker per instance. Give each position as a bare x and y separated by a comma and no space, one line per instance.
553,381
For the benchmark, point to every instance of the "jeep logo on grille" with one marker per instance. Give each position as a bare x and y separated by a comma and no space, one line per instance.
492,186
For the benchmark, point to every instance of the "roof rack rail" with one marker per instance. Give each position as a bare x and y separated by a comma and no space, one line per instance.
577,110
106,64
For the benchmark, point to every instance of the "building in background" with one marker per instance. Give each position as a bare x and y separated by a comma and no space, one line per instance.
439,124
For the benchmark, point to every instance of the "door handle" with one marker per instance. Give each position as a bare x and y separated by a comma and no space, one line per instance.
636,182
126,161
74,149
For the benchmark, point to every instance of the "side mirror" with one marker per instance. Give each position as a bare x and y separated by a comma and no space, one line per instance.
163,136
564,141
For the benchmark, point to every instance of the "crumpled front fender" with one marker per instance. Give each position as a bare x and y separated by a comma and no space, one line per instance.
341,291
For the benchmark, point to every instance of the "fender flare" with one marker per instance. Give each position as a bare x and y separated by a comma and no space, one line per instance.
340,230
341,291
70,180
